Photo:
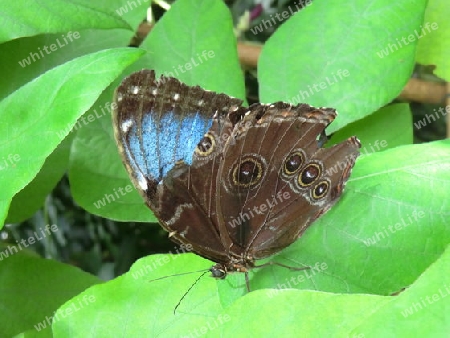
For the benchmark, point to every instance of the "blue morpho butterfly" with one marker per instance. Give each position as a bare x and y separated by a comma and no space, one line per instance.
238,184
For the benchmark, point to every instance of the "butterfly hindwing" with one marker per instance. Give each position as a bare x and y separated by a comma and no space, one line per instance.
271,173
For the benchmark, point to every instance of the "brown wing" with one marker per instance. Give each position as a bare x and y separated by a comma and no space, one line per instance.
149,123
276,180
188,196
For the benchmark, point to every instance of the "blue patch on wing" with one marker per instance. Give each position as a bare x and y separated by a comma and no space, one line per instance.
163,141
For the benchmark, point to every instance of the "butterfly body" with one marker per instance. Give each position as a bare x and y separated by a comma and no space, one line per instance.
238,184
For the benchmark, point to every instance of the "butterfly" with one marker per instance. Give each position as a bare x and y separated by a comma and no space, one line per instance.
236,183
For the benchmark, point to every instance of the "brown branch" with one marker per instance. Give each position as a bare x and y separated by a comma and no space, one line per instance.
416,90
249,54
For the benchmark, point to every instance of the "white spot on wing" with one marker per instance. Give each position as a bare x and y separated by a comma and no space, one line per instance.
126,125
142,182
176,97
134,90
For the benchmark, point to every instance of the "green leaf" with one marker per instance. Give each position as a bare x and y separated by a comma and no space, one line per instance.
421,310
318,314
314,314
20,20
136,296
434,44
32,197
46,333
37,120
33,288
23,67
153,300
28,63
376,131
208,57
337,56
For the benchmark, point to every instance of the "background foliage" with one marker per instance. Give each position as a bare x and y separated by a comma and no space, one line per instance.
55,118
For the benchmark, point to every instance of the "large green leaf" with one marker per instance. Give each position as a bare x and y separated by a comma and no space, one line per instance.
388,127
319,314
137,300
33,288
33,18
22,68
207,55
434,44
32,197
36,120
345,57
21,59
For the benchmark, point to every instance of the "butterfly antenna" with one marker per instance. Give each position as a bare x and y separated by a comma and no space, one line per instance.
180,274
185,294
284,266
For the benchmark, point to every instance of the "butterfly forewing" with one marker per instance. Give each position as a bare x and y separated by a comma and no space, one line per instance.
151,129
160,128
